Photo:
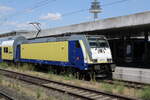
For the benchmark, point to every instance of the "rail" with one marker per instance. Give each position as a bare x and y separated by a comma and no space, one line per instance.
74,90
5,96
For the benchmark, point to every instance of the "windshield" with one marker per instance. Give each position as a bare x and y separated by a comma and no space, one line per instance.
97,43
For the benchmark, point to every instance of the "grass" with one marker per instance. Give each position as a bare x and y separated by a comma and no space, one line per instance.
69,78
22,67
107,87
64,75
4,65
13,84
119,87
27,67
145,93
34,92
51,98
1,79
38,93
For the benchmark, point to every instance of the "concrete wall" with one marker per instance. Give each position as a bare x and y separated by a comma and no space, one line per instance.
132,74
110,23
105,24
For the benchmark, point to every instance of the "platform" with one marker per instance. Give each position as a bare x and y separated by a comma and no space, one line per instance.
132,74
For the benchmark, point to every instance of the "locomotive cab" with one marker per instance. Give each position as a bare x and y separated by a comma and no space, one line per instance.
100,50
9,47
96,54
100,62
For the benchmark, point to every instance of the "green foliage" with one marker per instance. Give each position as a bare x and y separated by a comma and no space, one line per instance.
1,79
50,72
27,67
4,65
20,66
51,98
120,89
69,77
145,93
119,86
38,93
107,87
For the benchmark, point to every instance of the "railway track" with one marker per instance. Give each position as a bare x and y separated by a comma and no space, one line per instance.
4,96
77,91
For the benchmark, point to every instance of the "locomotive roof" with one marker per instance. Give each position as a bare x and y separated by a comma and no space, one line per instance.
64,38
9,41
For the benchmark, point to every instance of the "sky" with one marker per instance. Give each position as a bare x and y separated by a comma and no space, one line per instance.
17,14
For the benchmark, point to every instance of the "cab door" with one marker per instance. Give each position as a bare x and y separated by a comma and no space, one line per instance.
75,54
7,53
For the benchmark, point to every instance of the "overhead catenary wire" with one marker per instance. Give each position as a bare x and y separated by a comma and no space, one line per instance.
43,3
115,2
46,2
83,10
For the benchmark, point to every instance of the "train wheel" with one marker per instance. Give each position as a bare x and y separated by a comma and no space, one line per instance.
88,76
109,72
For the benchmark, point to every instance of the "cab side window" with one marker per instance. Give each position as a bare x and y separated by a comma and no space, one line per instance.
77,44
5,49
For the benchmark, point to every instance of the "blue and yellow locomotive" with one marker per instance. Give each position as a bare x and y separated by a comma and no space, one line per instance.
86,53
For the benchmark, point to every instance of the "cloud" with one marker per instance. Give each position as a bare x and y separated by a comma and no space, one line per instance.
51,16
10,23
14,25
5,9
17,25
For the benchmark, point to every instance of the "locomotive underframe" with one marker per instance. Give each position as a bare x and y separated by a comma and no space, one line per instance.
102,70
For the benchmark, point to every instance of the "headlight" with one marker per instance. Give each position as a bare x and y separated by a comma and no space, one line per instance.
109,60
94,60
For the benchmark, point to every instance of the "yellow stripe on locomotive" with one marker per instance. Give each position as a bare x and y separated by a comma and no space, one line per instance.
50,51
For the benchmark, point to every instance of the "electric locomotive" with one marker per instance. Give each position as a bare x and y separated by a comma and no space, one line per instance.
85,53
